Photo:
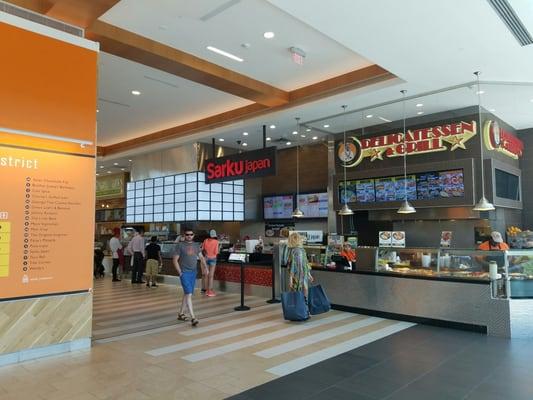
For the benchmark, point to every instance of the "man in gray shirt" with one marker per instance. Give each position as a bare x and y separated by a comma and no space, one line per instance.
186,255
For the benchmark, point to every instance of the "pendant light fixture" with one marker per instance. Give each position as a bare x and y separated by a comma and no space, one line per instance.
345,210
483,204
406,207
297,213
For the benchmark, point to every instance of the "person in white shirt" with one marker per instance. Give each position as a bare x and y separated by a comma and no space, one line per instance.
115,246
136,247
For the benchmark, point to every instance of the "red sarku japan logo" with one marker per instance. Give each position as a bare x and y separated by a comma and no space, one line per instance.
498,139
417,141
239,168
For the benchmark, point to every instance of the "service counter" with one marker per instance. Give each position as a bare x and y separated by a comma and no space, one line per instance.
449,287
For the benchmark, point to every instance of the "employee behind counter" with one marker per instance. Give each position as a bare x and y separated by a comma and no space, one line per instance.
495,243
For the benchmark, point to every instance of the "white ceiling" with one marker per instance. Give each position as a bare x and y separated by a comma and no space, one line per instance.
181,24
429,45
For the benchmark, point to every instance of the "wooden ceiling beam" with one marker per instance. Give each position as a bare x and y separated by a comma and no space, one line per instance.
350,81
81,13
126,44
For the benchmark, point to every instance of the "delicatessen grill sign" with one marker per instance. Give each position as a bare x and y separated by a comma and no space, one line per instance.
252,164
447,137
498,139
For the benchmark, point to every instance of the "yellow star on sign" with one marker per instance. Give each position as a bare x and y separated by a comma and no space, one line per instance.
457,143
376,154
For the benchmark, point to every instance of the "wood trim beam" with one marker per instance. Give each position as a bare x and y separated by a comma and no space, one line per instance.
126,44
80,13
352,80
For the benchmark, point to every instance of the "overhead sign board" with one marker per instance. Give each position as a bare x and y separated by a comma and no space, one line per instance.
251,164
498,139
446,137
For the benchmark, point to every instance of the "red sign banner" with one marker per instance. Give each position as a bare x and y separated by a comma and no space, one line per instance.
448,137
252,164
498,139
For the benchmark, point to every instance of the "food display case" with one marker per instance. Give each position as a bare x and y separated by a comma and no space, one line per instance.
519,264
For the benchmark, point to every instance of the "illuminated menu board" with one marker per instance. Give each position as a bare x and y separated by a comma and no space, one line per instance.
313,205
184,197
421,186
278,207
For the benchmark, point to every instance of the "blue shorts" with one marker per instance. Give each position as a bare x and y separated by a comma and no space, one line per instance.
188,281
211,262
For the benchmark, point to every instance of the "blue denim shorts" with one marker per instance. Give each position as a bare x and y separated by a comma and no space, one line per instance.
188,281
211,262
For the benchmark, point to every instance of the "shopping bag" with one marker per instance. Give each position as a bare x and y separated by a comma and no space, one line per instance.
294,307
318,301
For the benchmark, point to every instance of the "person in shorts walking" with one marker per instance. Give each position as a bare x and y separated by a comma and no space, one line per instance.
186,255
210,249
153,261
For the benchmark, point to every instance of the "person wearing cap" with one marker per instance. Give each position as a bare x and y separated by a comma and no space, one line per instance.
116,247
210,249
495,242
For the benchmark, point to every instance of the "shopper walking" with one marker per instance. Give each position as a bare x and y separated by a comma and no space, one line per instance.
136,247
115,246
185,258
153,261
210,249
297,265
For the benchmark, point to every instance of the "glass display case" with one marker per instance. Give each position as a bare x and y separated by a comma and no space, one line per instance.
519,264
408,261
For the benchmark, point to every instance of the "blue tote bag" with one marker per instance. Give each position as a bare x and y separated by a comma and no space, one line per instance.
318,301
294,307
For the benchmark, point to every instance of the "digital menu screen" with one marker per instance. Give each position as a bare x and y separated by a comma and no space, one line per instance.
442,184
365,191
314,205
399,184
347,195
385,189
278,207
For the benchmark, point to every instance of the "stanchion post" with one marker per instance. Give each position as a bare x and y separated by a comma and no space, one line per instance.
242,307
274,300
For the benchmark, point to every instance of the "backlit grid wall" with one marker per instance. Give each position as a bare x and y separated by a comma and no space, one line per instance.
184,197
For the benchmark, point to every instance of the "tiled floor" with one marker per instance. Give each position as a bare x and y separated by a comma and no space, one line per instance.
258,355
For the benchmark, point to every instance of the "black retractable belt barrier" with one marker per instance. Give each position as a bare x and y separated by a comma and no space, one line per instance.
242,307
274,300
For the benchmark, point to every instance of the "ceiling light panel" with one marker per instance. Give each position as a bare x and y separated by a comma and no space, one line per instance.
224,53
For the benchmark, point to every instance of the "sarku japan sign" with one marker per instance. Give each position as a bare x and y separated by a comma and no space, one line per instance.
447,137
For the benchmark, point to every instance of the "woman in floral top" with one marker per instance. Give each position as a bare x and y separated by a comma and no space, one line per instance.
297,265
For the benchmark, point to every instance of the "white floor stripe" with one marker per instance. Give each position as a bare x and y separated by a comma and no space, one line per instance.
171,310
210,339
171,317
321,355
224,324
175,326
317,337
217,351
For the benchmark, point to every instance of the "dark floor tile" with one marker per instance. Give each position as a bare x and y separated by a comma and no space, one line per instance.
336,393
374,386
346,365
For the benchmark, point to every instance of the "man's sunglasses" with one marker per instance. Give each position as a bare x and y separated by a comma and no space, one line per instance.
189,234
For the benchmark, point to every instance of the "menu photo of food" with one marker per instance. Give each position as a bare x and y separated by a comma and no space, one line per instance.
398,239
385,189
445,238
452,184
399,184
365,191
348,194
385,238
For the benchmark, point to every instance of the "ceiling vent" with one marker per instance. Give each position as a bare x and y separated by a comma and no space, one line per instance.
508,15
40,19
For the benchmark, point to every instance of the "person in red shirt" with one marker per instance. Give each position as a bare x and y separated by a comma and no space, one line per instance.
210,249
348,253
495,242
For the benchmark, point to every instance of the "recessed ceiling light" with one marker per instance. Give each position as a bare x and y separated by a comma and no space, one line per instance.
224,53
294,132
492,109
315,137
272,126
108,172
308,130
221,139
97,174
115,163
245,133
245,144
369,116
480,92
288,143
420,105
303,136
420,112
135,93
268,35
97,110
130,160
326,126
123,169
384,119
101,166
268,139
